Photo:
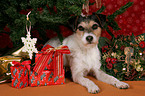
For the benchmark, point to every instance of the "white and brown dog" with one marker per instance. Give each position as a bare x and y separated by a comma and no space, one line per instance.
85,56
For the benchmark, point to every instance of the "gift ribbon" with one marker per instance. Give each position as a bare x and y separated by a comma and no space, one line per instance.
61,49
58,58
42,62
25,63
48,52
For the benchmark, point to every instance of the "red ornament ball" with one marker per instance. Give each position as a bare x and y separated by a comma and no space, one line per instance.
104,48
108,59
142,44
113,60
109,66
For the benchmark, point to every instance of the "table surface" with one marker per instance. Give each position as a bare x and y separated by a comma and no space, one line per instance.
137,88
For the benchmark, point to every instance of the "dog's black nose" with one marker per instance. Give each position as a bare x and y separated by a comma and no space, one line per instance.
89,38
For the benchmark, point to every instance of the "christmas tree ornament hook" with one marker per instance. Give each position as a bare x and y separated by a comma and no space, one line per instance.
28,31
29,43
28,15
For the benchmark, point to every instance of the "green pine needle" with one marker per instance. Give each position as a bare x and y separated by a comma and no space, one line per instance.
111,18
101,10
120,11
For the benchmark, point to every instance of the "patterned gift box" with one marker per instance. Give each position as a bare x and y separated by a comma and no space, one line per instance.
19,74
46,78
49,63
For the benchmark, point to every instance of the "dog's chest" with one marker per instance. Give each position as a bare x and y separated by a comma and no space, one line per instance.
81,56
86,58
91,58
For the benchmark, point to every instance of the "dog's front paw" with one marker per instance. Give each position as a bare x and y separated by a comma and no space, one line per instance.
121,85
93,89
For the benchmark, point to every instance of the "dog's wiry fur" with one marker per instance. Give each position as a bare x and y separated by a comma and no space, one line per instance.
85,56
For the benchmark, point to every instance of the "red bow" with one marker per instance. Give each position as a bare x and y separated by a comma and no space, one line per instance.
62,49
25,63
50,51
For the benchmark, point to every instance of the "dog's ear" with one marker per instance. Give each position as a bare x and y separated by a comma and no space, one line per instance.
74,21
100,18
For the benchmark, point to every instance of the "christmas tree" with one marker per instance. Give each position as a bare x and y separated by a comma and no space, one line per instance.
48,18
46,14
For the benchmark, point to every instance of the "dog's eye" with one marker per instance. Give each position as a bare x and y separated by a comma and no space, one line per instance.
95,26
81,28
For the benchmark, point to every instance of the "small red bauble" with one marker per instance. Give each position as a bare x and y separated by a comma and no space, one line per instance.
108,60
104,48
109,66
113,60
142,44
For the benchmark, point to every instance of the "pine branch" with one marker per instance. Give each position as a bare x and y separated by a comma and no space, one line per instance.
48,18
107,29
101,10
120,11
111,22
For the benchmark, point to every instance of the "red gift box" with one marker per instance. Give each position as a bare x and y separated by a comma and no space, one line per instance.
46,78
19,74
51,55
50,59
49,65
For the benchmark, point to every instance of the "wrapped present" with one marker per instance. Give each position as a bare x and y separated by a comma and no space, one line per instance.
46,78
51,55
19,74
6,62
49,66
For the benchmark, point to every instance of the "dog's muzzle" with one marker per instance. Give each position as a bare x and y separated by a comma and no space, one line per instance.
89,39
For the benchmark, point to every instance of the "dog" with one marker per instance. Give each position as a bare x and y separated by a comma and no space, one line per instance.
85,56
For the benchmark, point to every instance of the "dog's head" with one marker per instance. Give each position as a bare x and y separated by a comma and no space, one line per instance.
88,29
